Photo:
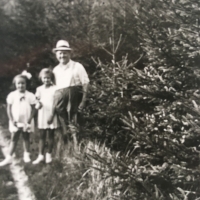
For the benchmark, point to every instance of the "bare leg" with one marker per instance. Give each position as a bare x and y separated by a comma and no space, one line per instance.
13,142
40,157
63,123
50,140
74,131
75,119
26,144
26,141
59,144
42,141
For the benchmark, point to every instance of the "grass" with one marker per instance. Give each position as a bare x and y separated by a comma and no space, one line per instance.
75,175
7,188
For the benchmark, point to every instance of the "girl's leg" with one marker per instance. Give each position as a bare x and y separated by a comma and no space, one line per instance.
26,144
42,141
41,146
50,140
26,141
13,142
50,145
59,143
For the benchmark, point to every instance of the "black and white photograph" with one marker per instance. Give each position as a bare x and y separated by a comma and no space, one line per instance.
100,100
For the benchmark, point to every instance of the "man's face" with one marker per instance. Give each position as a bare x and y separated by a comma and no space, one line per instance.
63,56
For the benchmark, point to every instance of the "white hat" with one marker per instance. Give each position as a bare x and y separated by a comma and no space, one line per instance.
62,45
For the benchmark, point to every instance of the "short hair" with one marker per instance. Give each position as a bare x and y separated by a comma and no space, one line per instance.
46,71
19,76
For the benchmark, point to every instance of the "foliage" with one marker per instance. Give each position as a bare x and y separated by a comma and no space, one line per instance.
72,177
143,102
160,136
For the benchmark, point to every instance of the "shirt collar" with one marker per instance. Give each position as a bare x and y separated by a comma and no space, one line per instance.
67,66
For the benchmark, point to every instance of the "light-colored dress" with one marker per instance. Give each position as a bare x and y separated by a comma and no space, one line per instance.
45,96
21,108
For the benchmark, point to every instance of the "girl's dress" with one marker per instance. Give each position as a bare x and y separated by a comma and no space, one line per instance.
21,108
45,96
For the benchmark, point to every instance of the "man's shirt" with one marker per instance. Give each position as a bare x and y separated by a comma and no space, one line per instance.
72,74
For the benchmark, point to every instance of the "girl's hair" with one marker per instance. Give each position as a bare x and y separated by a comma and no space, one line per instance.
19,76
46,71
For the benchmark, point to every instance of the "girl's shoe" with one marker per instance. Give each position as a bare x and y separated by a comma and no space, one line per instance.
39,159
48,158
27,157
6,161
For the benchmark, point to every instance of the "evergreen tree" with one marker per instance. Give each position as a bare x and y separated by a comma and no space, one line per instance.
160,137
144,95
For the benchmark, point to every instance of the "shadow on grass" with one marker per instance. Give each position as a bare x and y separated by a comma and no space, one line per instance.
7,188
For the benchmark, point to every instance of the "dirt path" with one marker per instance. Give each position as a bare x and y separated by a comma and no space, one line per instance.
17,170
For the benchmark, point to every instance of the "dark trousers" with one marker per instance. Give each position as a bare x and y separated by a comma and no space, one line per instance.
66,102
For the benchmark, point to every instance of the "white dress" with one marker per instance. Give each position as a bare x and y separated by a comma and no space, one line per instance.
45,96
21,108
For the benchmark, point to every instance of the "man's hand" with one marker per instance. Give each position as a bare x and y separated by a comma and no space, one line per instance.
84,98
81,106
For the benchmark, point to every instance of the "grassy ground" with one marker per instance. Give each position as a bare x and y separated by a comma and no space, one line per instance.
7,187
68,177
35,173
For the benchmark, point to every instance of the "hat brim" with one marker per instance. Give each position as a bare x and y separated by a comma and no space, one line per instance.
61,49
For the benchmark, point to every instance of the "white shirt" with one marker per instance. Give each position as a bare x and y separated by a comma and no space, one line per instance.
72,74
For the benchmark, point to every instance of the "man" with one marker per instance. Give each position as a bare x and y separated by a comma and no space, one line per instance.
72,83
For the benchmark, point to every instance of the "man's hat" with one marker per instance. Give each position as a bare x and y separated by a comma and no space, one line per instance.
62,45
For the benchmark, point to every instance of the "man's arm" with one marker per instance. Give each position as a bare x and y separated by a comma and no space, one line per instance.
84,98
83,77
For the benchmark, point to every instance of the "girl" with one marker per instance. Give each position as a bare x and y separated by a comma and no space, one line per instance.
45,95
20,110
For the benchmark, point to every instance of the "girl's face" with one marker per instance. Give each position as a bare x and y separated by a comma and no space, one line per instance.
46,79
63,56
20,84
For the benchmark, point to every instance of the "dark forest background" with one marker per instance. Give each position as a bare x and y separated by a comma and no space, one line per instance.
141,129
